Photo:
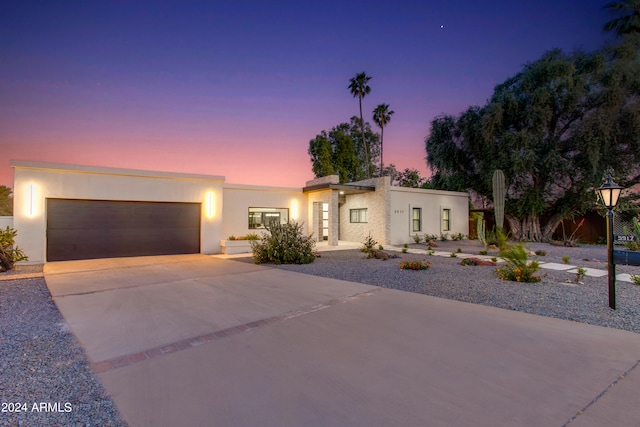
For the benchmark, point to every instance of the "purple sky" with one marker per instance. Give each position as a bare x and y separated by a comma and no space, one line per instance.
239,88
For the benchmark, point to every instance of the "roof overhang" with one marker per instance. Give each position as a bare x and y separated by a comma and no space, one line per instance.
342,188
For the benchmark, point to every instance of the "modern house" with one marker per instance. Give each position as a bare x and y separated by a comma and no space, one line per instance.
67,212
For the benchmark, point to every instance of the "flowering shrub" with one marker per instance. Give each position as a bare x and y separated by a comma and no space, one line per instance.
414,264
284,244
518,268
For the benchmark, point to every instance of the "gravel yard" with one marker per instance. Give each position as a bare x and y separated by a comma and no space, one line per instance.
557,295
44,376
42,363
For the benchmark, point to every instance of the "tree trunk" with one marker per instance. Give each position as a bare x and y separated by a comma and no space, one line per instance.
364,143
381,149
551,226
527,228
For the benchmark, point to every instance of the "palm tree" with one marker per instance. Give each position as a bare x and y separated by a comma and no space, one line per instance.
359,89
628,22
382,116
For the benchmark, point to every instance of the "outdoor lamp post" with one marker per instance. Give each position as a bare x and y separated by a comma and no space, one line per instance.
609,193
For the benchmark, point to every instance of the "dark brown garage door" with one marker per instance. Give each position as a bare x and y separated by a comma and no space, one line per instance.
88,229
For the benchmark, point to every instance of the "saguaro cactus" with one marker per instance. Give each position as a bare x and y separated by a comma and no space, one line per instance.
498,197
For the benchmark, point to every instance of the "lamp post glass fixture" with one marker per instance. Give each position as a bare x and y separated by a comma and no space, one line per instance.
609,193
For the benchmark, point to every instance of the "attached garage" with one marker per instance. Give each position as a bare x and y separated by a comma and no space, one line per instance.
72,212
89,229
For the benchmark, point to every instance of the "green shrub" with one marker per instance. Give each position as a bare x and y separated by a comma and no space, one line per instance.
635,279
380,247
541,253
633,246
9,254
518,267
580,274
458,236
566,259
250,236
404,250
284,244
406,246
428,237
484,252
453,255
417,238
467,261
414,264
444,237
499,238
459,250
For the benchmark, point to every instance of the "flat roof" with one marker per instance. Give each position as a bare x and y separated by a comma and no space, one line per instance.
63,167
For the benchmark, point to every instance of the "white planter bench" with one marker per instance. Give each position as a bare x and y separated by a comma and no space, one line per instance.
231,247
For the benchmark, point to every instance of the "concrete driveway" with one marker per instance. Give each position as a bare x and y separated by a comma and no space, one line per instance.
199,341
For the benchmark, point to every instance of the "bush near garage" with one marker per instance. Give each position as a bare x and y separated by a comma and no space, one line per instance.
9,254
284,244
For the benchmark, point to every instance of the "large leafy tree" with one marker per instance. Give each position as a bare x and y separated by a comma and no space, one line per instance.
340,151
382,116
628,17
555,128
359,87
6,201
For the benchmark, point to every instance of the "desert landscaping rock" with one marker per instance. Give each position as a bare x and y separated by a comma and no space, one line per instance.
42,364
556,295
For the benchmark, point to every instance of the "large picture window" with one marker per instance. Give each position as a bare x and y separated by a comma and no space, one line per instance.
358,215
260,217
417,219
446,219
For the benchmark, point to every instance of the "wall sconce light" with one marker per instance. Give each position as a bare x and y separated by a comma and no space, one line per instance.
31,200
209,204
294,210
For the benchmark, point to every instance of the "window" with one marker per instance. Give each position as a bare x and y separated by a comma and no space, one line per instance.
446,219
417,219
358,215
259,217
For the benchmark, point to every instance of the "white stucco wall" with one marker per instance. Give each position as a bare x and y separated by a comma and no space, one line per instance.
239,198
432,202
35,182
6,221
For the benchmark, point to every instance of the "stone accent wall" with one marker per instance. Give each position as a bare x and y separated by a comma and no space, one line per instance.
378,205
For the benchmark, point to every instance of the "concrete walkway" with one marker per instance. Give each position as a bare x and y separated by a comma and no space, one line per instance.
196,340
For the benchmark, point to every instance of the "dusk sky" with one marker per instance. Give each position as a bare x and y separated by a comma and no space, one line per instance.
239,88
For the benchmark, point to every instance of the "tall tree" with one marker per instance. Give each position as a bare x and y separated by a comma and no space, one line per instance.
340,151
554,129
359,88
6,201
410,178
382,116
629,20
